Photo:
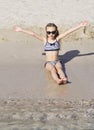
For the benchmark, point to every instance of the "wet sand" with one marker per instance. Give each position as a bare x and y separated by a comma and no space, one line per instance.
31,100
22,72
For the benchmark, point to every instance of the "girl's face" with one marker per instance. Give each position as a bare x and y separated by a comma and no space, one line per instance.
51,32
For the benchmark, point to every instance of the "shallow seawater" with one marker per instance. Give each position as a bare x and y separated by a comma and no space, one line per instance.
46,114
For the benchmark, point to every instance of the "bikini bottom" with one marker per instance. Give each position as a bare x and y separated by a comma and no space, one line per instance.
52,62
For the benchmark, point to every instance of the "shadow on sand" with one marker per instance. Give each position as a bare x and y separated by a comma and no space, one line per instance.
68,56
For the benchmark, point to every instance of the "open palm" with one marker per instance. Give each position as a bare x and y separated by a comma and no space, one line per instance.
83,24
17,29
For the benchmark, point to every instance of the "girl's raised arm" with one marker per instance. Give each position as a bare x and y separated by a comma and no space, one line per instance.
82,24
19,29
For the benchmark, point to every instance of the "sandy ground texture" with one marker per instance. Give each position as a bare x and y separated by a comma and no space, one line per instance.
31,100
34,12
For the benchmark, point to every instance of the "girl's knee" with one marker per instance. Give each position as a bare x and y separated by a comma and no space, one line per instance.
59,69
53,70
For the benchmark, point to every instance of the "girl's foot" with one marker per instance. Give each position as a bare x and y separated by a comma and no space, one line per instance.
60,81
64,79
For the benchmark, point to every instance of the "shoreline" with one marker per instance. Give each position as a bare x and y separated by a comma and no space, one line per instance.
46,114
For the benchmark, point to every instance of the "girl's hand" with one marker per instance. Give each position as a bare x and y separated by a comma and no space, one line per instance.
83,24
17,29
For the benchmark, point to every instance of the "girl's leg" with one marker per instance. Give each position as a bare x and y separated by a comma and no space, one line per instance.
53,72
60,72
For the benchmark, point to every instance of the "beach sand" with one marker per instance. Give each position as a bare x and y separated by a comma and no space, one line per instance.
24,83
22,72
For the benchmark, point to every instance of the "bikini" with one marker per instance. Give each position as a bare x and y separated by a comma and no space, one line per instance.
52,47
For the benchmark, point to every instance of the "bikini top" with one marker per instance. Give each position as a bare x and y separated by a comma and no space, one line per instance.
52,46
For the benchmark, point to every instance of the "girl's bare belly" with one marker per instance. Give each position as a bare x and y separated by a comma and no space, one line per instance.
52,55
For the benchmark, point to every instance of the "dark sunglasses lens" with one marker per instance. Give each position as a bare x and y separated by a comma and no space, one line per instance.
53,32
48,32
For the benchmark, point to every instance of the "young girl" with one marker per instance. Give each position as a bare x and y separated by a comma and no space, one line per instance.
51,47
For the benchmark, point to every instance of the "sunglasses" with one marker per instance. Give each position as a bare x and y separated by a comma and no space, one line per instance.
53,32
